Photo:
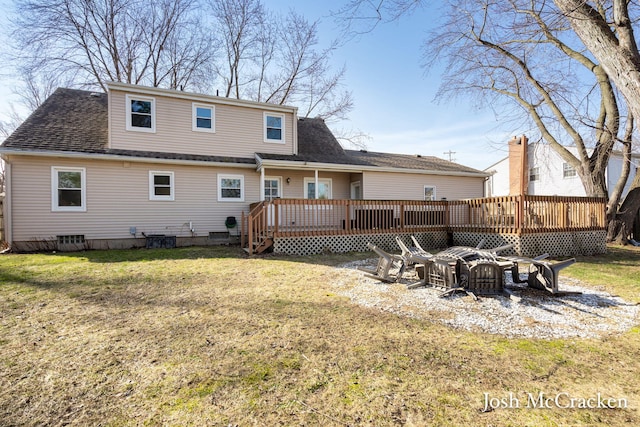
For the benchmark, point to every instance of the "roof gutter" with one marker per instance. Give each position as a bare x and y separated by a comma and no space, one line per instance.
119,157
287,164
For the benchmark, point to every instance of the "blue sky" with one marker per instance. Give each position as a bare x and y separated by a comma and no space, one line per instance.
394,99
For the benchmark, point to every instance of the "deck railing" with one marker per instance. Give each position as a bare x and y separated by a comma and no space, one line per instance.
509,214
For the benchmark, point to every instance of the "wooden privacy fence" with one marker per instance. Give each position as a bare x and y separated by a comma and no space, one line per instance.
509,214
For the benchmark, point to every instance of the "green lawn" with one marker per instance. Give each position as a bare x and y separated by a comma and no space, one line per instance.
207,336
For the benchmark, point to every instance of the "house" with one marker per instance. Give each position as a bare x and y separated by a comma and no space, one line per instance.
104,170
546,173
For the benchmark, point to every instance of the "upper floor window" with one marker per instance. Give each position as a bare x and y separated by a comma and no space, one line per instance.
273,127
534,174
141,113
68,189
161,185
429,192
568,171
204,118
230,188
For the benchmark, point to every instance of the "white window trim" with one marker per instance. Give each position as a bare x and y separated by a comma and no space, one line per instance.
55,206
128,112
320,180
275,178
274,141
434,197
537,175
230,176
353,190
194,122
152,193
566,167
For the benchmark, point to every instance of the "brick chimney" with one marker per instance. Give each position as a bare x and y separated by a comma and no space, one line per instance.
518,166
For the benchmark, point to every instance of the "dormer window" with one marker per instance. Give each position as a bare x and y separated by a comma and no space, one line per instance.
274,128
204,118
141,113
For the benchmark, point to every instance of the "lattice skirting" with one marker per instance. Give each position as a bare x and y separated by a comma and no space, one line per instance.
528,245
355,243
532,245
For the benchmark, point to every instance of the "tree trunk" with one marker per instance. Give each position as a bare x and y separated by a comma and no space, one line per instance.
621,225
616,51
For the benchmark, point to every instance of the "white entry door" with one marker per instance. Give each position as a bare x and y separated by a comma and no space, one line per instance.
272,190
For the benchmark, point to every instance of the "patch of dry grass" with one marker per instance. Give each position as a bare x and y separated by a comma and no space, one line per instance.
206,336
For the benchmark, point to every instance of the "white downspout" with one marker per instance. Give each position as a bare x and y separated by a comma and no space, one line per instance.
294,131
262,184
6,214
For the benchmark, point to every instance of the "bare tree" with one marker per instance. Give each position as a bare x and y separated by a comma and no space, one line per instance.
32,90
10,124
518,53
276,59
170,43
606,29
524,52
113,40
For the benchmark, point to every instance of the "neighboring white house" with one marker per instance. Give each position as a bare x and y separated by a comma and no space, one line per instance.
548,174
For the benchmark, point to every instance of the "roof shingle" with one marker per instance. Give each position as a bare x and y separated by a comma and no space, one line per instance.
73,120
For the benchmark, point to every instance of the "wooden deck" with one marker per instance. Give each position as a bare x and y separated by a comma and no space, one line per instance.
506,215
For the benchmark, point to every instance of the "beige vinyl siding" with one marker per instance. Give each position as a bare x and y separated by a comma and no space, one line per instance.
340,182
239,131
404,186
118,198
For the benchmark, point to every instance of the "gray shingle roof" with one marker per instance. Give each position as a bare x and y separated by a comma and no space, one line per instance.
73,120
407,161
317,144
77,121
69,120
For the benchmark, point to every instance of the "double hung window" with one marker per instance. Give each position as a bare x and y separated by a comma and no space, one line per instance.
161,185
141,114
568,171
534,174
274,128
68,192
230,188
204,118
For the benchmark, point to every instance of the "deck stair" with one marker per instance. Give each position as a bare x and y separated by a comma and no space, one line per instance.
255,227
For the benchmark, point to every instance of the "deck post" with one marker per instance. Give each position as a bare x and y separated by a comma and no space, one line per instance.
276,215
242,219
519,222
250,233
347,216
